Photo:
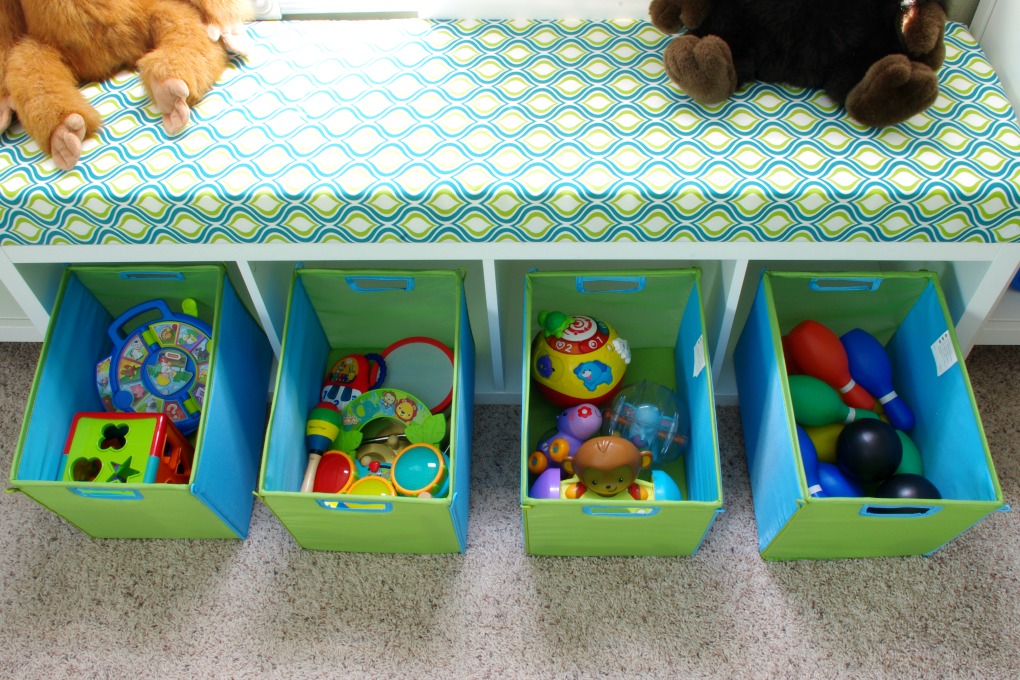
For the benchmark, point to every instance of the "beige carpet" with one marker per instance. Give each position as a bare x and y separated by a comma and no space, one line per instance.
72,606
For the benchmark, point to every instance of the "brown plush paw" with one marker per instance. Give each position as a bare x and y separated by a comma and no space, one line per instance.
669,16
65,142
894,89
702,68
923,29
171,97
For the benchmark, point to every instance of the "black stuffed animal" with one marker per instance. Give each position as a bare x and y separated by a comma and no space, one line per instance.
877,58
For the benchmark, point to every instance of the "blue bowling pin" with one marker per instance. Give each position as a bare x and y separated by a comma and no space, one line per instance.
835,483
870,366
809,457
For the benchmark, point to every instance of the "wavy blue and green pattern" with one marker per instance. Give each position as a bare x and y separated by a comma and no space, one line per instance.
474,131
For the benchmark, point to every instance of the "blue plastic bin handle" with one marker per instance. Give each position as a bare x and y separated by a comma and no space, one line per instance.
107,494
341,506
152,276
899,511
619,511
137,310
839,285
626,284
377,284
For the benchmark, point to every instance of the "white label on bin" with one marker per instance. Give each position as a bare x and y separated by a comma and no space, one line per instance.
944,353
699,356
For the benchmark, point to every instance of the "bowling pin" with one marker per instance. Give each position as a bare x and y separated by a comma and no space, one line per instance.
870,366
809,458
835,483
824,438
815,403
791,364
817,351
911,462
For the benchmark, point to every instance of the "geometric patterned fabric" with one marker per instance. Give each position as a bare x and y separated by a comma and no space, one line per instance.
481,131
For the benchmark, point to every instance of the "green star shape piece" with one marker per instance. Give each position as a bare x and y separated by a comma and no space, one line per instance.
123,471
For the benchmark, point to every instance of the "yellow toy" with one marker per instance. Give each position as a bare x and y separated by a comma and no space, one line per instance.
577,359
49,47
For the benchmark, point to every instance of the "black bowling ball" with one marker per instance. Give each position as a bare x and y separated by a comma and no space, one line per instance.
909,486
868,450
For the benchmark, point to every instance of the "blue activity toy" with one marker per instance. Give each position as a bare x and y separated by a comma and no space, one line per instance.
157,366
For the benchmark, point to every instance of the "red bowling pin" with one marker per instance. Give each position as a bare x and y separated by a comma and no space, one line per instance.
870,367
819,353
791,364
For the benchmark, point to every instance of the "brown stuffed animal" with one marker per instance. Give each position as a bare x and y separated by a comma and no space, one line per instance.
875,57
49,47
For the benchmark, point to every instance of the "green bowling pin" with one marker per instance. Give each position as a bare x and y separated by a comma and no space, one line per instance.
815,403
911,462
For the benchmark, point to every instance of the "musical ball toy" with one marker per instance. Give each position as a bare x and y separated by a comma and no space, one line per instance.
653,417
869,450
577,359
908,486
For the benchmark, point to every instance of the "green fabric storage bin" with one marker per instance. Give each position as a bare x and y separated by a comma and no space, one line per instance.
217,503
335,312
906,312
659,313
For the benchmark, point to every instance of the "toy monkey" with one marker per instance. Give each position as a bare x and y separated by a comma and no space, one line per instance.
609,467
877,58
49,47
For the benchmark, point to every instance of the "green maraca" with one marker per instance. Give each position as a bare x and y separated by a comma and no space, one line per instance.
815,403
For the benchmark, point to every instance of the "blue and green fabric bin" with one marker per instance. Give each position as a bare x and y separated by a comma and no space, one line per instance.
331,313
659,313
218,499
907,313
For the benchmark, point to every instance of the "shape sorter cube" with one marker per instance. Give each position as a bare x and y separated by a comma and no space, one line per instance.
131,448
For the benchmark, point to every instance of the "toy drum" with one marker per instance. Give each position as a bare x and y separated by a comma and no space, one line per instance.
420,470
372,486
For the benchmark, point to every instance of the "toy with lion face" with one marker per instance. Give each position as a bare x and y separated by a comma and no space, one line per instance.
49,47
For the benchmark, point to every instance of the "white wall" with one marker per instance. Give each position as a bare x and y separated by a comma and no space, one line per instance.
996,26
959,10
463,9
